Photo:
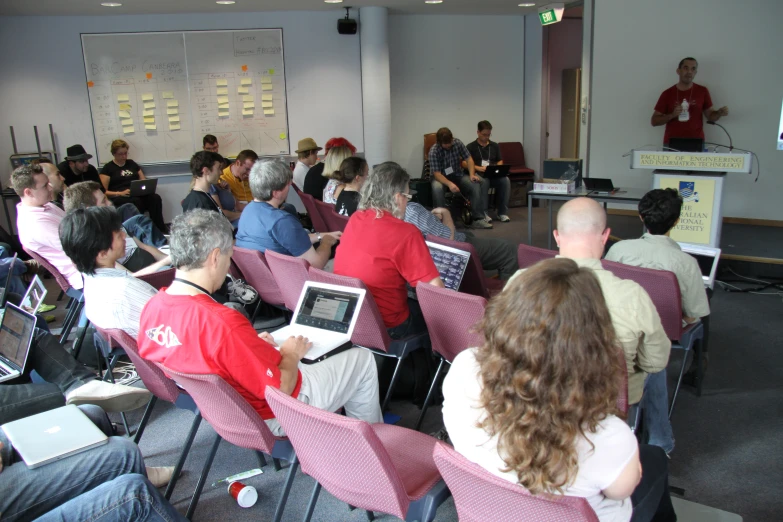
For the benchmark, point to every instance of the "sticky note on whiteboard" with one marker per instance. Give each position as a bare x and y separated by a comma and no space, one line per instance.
246,81
242,90
267,87
267,97
269,112
223,106
149,105
149,112
173,119
247,112
168,95
151,127
128,130
249,105
172,103
223,114
222,99
267,105
222,90
124,114
266,79
173,110
247,98
122,98
125,106
149,119
146,97
174,126
221,83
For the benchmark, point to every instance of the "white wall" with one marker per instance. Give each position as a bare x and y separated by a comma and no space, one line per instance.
453,71
535,96
565,52
44,82
637,48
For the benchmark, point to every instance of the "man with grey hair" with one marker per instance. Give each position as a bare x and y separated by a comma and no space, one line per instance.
581,235
385,252
264,225
183,328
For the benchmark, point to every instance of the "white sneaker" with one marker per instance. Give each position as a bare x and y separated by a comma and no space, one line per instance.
487,218
160,476
110,397
480,223
504,218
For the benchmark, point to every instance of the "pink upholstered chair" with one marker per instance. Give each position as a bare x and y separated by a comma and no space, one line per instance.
474,282
160,279
480,496
290,273
370,332
528,256
450,317
513,154
334,222
255,271
312,210
377,467
234,420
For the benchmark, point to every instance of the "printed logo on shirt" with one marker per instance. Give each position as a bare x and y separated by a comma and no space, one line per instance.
163,336
126,173
269,373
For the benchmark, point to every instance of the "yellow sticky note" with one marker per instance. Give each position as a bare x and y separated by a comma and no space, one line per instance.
223,105
221,83
125,106
267,105
247,112
267,97
149,112
246,81
146,97
222,99
172,110
242,90
223,114
173,119
249,105
267,87
283,136
168,95
149,105
149,119
126,122
269,112
122,98
151,127
247,98
271,71
128,130
222,90
172,103
174,126
124,114
266,79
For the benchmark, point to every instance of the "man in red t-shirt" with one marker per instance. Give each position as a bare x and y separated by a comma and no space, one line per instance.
680,107
385,252
186,330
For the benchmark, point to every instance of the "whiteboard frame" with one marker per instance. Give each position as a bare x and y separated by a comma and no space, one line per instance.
187,76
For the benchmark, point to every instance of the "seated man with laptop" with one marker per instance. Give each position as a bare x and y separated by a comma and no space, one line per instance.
184,329
489,163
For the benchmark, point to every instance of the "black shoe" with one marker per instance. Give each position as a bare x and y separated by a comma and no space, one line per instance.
691,377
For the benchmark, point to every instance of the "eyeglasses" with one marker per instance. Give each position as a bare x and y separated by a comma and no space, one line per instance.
407,196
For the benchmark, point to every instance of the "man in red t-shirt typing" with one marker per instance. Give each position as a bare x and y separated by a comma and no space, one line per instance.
183,328
385,252
680,107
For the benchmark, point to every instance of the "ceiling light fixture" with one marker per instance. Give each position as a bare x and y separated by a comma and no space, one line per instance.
333,1
111,4
433,1
225,2
527,5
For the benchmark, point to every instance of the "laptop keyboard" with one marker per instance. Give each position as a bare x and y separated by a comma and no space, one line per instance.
3,372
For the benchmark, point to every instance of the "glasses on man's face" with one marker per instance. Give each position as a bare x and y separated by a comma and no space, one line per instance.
407,196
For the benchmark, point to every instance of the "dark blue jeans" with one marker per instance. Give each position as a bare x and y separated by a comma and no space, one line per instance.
650,499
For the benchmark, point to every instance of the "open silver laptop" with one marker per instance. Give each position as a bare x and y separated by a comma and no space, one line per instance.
326,315
143,187
707,257
34,295
53,435
450,262
16,334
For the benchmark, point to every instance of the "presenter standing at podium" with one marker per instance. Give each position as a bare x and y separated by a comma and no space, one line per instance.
680,107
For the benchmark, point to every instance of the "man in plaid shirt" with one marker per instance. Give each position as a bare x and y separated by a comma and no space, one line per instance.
446,158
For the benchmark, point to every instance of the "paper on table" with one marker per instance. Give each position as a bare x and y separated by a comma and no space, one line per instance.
122,98
173,119
149,113
168,94
125,106
222,99
242,90
124,114
267,97
221,83
172,110
246,81
222,90
249,105
267,105
247,97
128,130
267,87
269,112
151,127
149,119
172,103
247,112
266,79
149,105
174,126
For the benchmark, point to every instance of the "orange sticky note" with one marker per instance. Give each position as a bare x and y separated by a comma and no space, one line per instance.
149,76
244,68
90,84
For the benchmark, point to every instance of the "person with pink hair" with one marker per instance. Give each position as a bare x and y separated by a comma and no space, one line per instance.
320,177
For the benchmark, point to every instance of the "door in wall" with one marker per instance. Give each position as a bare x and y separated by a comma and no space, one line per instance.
569,114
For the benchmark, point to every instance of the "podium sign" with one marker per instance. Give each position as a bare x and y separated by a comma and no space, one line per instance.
691,161
701,218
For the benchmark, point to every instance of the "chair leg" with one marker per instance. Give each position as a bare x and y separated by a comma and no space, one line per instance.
679,382
145,419
76,311
700,368
66,322
185,450
429,394
77,345
313,501
59,297
276,463
261,459
203,478
370,515
394,378
286,489
110,375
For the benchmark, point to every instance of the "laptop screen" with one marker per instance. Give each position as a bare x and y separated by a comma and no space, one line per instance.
451,264
15,335
705,263
327,309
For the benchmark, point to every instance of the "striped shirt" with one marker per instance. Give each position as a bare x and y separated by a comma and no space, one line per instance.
113,298
441,159
415,214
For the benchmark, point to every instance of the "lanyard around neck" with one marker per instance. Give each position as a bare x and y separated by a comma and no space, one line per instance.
194,285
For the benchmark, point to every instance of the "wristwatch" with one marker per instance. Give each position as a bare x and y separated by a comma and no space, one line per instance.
318,236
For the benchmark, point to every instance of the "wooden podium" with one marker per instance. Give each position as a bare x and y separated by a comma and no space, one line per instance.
699,178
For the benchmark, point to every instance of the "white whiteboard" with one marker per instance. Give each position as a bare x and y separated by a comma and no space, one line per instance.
162,92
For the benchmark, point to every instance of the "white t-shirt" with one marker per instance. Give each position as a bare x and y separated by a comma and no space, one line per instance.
300,171
113,298
615,444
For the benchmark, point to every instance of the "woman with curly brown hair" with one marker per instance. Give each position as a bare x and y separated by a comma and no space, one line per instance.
536,404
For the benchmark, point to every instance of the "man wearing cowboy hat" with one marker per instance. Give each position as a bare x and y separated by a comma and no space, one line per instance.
76,167
308,156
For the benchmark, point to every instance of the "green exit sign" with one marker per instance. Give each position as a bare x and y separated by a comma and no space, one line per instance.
548,17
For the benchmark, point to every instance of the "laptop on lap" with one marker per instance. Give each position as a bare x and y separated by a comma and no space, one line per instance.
707,257
450,262
326,315
34,295
496,171
7,286
143,187
16,335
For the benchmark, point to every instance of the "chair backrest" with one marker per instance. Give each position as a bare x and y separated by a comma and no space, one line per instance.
255,271
528,256
473,280
512,153
663,289
370,331
334,222
230,415
160,279
429,140
622,392
440,306
61,279
344,455
312,210
290,274
479,495
152,376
